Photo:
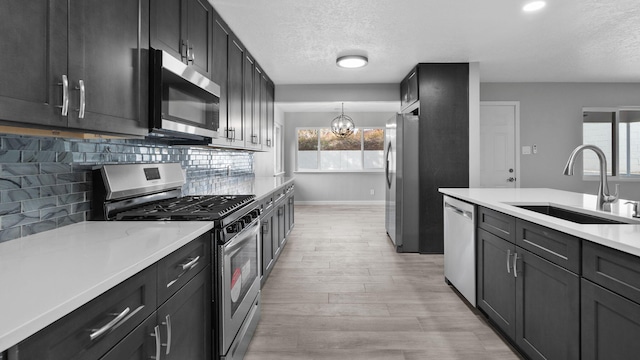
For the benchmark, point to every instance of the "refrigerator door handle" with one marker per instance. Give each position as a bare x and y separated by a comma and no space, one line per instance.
386,170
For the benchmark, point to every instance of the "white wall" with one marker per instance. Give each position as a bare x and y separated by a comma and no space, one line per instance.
332,187
551,118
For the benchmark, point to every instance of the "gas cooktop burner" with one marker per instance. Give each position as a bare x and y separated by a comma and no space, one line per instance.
201,207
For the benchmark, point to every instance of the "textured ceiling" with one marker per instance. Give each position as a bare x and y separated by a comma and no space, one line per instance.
297,41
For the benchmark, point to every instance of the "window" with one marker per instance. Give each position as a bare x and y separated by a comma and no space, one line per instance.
319,149
617,133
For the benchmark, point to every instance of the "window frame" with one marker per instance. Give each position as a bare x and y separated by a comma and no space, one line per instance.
615,141
319,150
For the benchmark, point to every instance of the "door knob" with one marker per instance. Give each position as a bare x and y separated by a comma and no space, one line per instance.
511,179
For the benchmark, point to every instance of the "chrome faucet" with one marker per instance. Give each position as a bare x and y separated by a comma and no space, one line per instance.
604,198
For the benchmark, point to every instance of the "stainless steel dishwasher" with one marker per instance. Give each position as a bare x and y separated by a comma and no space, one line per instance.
459,247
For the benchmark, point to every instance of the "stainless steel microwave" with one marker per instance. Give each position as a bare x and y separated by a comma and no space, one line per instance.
184,104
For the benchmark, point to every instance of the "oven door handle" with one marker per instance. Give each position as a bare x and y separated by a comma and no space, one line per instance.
245,234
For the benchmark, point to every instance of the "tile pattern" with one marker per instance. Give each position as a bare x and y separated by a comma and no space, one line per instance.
340,291
45,183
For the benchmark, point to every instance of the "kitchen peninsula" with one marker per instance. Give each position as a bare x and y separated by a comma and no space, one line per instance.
557,288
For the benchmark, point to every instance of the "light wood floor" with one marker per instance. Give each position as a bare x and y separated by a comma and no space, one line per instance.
340,291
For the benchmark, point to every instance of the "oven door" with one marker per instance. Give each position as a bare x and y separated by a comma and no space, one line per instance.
240,281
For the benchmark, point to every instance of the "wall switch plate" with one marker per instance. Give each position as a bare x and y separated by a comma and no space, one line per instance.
535,148
372,192
526,150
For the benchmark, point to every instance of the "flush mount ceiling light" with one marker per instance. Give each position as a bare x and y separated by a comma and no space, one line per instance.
342,126
352,61
531,6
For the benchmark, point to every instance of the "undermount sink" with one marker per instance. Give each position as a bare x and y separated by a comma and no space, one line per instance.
569,215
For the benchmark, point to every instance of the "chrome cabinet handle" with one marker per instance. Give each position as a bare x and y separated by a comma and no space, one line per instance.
97,332
511,179
184,46
265,227
167,323
269,142
156,334
508,258
191,55
190,264
82,99
515,264
65,95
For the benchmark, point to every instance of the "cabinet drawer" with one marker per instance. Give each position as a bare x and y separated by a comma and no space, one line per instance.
177,268
497,223
71,337
139,344
559,248
612,269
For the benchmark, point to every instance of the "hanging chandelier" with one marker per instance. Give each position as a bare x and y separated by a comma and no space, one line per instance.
342,126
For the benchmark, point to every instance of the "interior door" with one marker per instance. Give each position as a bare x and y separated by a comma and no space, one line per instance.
498,151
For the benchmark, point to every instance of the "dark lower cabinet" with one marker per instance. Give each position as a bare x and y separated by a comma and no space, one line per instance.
133,320
533,301
610,324
138,345
547,309
496,283
268,251
185,321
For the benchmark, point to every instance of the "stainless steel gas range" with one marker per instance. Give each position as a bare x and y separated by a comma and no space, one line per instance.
149,192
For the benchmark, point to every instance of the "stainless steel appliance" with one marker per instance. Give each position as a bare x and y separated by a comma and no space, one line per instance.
153,192
183,103
402,205
459,247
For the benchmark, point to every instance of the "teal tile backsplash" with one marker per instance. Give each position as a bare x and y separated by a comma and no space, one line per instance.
45,183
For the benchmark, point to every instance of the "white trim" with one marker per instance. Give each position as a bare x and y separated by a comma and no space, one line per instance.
372,202
515,104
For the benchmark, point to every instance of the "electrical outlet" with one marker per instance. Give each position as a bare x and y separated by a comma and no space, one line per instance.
372,192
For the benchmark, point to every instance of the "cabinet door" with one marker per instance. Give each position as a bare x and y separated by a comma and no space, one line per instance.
32,61
138,345
270,91
166,19
108,65
258,98
547,309
282,227
249,93
185,320
236,58
496,283
198,34
610,324
290,213
219,75
267,246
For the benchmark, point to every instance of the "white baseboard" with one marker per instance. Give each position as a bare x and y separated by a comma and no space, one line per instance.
373,202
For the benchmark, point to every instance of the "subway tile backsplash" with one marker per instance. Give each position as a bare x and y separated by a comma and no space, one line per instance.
45,183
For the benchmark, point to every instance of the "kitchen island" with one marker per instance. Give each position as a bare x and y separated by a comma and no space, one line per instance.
559,286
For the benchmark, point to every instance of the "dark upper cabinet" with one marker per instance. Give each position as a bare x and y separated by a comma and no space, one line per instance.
267,110
183,28
220,75
78,64
108,66
251,92
409,89
31,63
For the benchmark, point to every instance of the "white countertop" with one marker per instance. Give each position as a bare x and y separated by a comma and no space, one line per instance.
622,237
46,276
265,185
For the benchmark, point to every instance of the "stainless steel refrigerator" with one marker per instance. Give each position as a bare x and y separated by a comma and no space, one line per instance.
402,208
